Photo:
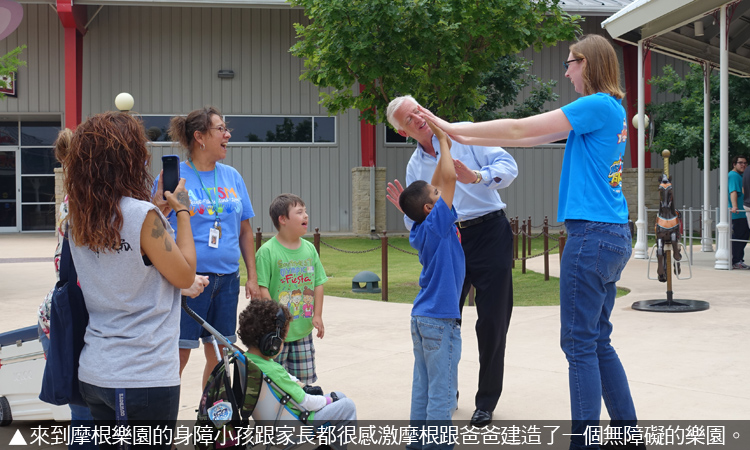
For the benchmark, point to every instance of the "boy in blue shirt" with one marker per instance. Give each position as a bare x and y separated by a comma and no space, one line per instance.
435,329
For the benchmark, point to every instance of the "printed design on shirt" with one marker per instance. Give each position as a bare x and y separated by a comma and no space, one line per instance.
296,283
307,298
123,247
615,174
295,307
202,204
623,136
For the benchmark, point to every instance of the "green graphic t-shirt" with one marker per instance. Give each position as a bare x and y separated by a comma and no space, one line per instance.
291,277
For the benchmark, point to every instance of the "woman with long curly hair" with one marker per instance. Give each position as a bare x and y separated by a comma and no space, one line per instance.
130,269
595,212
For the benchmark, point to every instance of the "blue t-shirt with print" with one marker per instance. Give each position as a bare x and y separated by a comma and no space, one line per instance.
443,265
233,207
591,177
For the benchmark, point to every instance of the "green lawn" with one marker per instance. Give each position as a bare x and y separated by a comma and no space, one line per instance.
529,289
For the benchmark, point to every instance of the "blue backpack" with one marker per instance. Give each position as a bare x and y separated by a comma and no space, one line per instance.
68,321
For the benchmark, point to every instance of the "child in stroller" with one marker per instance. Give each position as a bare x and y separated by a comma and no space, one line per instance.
263,326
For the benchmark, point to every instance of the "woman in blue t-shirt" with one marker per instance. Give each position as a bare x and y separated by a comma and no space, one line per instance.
220,213
593,207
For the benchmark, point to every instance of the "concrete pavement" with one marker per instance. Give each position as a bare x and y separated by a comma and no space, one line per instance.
690,366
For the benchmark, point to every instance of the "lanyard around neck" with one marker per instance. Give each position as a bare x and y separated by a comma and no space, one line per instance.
215,203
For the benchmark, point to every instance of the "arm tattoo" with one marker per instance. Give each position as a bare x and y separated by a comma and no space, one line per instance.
158,230
184,199
167,244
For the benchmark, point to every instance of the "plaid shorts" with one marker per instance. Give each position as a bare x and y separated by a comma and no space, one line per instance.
298,358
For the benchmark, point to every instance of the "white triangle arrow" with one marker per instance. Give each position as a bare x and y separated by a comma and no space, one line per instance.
18,439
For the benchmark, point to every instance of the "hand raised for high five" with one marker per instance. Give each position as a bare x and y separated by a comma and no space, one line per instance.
447,127
394,191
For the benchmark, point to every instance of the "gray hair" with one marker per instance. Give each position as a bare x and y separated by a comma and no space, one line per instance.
394,105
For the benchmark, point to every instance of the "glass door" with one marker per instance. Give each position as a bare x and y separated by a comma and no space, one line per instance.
9,190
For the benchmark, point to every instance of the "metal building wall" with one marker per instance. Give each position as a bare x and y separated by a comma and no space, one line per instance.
168,59
40,83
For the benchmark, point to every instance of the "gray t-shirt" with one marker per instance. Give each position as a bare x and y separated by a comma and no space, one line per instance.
134,312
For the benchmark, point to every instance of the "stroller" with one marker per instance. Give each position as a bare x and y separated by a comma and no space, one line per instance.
21,367
227,404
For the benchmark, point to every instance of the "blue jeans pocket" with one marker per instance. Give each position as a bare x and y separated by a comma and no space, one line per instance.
611,260
432,335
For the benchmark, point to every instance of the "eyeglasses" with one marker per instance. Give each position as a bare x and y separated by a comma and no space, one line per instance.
221,129
744,163
566,64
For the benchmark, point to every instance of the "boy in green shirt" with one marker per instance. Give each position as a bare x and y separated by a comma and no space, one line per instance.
288,267
263,326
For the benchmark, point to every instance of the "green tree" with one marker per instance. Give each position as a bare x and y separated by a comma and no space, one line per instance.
436,50
678,125
501,87
10,63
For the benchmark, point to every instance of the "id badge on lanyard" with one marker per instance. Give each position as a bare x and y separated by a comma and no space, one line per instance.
214,234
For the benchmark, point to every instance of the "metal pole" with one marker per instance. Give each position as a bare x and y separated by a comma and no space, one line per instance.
722,260
707,243
523,248
515,241
316,240
562,244
384,266
258,239
641,243
372,199
545,231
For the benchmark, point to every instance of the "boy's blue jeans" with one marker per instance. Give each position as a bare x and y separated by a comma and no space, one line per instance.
594,257
437,350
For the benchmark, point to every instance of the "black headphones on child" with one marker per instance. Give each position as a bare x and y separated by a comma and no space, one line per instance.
270,343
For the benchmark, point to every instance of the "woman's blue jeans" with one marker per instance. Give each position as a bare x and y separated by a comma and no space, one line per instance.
594,257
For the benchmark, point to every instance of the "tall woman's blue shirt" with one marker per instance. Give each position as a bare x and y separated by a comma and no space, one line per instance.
592,165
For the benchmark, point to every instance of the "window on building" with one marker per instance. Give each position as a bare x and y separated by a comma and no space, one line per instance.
282,129
157,128
38,165
392,137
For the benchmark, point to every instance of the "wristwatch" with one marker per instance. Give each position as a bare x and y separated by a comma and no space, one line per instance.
479,177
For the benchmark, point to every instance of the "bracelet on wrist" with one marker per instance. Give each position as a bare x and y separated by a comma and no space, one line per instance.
479,177
181,210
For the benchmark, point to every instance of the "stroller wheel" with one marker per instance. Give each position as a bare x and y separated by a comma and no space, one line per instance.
5,416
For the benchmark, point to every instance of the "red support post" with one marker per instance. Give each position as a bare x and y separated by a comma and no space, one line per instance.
367,132
73,19
630,69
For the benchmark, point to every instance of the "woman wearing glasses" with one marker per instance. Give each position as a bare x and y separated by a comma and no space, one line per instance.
593,207
220,215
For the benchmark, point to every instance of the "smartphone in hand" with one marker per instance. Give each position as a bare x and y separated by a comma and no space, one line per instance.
171,177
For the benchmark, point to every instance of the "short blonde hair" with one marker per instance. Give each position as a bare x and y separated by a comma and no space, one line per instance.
601,73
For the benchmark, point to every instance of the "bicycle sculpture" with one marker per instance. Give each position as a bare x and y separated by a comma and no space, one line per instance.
667,229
